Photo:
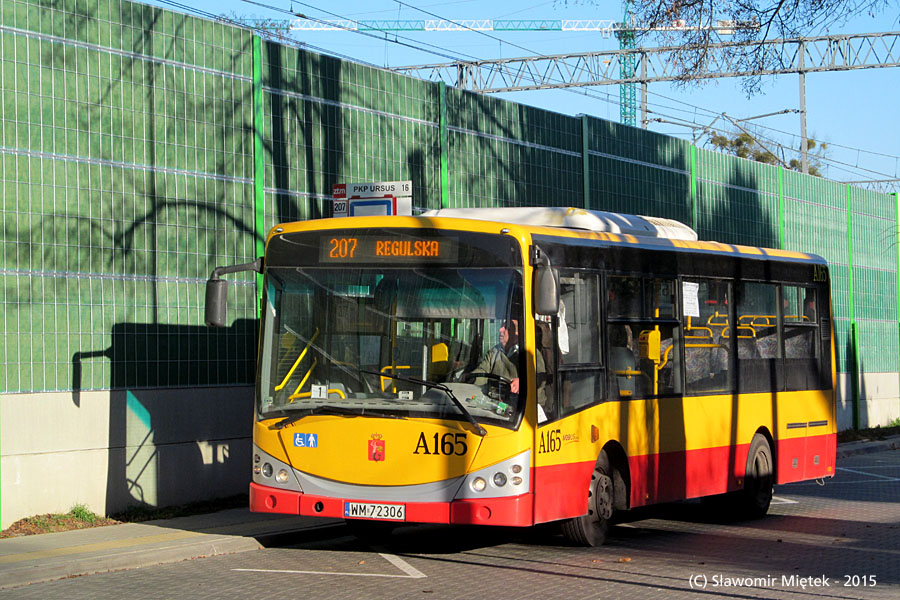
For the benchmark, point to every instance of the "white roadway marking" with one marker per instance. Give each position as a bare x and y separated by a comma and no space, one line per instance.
780,500
869,474
411,571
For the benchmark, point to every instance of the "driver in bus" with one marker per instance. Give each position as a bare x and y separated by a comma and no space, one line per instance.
503,358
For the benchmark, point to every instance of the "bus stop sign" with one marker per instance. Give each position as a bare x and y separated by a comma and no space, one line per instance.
372,199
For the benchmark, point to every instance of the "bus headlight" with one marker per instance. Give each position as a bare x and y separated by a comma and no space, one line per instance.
506,478
271,471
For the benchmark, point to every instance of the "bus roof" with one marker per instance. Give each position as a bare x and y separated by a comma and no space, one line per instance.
575,218
627,229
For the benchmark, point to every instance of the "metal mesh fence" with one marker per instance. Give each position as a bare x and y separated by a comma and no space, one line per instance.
639,172
507,154
127,172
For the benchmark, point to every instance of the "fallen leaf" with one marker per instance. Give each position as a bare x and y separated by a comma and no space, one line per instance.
362,562
624,559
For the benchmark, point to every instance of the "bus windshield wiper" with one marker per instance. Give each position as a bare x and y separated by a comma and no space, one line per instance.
329,409
437,386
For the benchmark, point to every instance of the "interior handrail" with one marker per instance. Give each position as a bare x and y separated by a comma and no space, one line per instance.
303,381
290,372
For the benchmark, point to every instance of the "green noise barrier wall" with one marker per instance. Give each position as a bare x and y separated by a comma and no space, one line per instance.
140,147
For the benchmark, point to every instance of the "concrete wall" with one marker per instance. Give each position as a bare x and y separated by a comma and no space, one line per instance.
111,450
879,404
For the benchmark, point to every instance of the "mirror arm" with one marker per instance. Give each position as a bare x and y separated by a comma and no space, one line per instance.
256,265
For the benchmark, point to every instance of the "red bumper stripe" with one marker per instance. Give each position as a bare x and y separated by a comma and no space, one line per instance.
515,511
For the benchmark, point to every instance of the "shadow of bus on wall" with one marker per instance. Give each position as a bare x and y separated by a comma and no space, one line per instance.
180,406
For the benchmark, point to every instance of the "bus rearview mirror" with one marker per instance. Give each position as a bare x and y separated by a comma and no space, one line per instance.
216,298
546,291
217,291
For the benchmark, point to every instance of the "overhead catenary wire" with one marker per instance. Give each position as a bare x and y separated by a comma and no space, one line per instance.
662,110
602,96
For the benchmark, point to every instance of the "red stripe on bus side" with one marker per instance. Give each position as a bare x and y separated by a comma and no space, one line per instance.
674,476
560,491
797,458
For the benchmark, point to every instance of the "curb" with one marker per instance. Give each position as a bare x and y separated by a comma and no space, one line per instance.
76,567
855,448
43,568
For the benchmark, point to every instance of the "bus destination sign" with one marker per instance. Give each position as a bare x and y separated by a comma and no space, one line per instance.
386,248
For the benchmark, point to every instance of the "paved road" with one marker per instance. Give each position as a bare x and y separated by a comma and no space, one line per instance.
839,540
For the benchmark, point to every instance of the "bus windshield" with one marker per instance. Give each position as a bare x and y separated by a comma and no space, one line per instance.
371,341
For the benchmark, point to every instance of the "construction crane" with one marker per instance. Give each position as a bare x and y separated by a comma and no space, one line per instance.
625,31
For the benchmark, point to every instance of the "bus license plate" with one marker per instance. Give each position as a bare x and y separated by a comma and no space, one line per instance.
370,510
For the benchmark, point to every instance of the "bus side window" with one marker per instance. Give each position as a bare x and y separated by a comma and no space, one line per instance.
644,337
802,352
580,375
756,336
707,339
545,370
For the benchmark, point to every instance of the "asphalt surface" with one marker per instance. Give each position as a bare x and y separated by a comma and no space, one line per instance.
41,558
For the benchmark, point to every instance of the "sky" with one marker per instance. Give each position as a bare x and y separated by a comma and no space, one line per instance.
855,113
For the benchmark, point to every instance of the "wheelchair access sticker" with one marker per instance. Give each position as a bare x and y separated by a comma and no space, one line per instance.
306,440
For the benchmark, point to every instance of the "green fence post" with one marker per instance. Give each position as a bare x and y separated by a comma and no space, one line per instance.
897,290
445,146
854,338
694,216
780,207
585,162
259,194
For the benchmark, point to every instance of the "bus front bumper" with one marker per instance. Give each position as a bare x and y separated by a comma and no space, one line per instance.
510,511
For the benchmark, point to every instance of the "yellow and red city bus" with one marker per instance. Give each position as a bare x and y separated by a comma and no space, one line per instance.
517,366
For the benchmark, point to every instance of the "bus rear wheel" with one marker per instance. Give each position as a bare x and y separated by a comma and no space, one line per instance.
759,479
751,502
591,529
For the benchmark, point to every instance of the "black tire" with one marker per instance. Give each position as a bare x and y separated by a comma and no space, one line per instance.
591,529
759,480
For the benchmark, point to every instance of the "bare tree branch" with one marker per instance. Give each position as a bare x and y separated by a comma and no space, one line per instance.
692,25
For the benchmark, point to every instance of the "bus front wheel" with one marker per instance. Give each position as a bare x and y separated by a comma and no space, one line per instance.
591,529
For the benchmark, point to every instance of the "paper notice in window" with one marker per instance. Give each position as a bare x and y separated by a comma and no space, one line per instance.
691,302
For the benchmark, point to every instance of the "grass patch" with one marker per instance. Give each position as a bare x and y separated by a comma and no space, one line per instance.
79,517
82,513
870,434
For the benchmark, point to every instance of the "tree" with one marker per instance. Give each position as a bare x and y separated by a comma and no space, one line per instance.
690,28
277,30
746,144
